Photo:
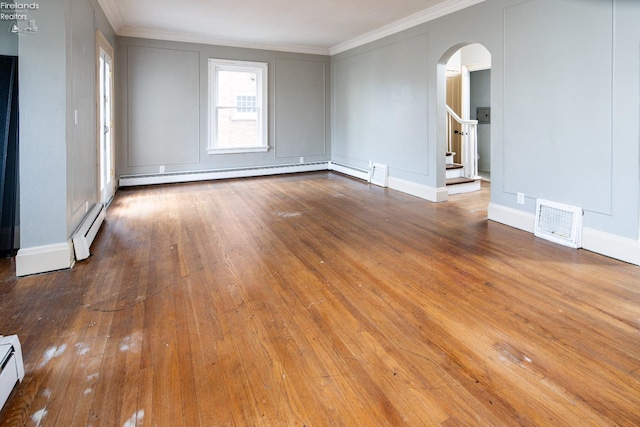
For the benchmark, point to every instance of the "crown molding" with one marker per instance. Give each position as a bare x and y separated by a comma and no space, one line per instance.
187,38
410,21
113,15
450,6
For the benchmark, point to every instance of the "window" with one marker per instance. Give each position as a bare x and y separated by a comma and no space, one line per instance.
237,106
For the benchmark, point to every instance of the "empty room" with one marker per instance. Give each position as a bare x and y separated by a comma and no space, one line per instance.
418,212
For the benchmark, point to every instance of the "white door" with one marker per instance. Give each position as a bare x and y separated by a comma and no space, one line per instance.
106,179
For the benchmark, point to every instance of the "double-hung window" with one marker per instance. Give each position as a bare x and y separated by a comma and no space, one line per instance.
237,106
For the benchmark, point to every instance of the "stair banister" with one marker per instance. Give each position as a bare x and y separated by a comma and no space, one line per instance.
469,142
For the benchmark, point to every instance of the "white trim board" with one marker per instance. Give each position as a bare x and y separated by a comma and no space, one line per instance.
512,217
112,13
188,38
419,190
447,7
600,242
350,171
408,187
208,175
435,12
42,259
611,245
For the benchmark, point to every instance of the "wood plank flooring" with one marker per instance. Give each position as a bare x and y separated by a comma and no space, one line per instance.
317,300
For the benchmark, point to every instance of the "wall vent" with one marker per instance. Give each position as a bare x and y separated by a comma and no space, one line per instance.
559,223
379,175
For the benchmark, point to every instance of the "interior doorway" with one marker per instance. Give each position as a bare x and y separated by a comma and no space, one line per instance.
466,82
105,131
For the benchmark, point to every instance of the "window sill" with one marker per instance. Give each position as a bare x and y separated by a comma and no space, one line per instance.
261,149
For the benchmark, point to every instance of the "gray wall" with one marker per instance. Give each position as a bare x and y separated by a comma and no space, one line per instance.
57,157
480,96
8,42
565,97
380,111
162,107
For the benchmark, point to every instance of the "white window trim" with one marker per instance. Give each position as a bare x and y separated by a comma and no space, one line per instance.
261,69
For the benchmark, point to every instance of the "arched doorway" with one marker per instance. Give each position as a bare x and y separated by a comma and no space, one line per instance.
464,80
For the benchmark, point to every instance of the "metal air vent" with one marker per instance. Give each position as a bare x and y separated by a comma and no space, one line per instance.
559,223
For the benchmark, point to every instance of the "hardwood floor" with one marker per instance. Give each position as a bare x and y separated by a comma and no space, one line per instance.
319,300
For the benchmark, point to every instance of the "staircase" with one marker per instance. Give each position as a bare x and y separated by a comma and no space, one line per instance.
462,178
457,183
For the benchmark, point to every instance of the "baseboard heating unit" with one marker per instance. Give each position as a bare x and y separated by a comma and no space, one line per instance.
11,366
86,232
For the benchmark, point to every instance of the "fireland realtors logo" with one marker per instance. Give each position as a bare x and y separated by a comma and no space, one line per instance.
16,11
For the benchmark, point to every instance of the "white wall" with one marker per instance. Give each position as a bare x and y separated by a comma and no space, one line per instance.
475,57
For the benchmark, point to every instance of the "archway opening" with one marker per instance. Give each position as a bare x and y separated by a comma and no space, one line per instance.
464,109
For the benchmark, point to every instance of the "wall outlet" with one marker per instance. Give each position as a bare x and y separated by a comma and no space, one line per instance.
301,159
520,198
370,164
162,169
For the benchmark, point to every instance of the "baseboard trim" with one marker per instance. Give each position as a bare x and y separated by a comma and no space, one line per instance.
42,259
419,190
600,242
611,245
208,175
512,217
350,171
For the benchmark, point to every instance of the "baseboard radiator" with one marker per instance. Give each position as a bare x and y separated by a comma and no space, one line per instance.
214,174
11,366
86,232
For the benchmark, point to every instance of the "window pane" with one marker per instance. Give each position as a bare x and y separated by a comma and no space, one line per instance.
231,84
246,104
234,132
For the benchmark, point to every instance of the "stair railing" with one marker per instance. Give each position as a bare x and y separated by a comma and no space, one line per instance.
469,134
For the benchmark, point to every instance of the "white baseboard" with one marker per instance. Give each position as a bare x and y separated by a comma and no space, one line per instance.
419,190
512,217
42,259
611,245
348,170
600,242
173,178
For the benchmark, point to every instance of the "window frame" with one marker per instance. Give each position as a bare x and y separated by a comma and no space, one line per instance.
262,105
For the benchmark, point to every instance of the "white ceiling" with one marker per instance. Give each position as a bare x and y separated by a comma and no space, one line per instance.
308,26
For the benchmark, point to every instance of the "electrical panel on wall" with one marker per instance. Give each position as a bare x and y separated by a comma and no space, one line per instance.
483,115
